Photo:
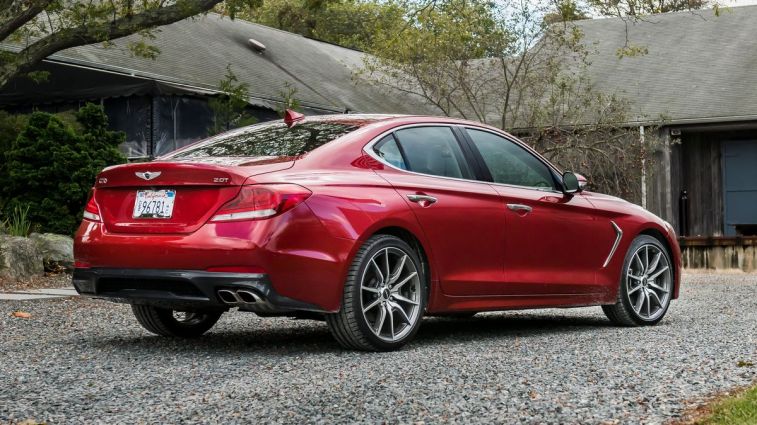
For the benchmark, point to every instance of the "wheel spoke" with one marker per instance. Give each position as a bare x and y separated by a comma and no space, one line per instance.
370,289
655,262
637,258
376,302
378,269
658,287
402,312
639,303
657,299
634,289
659,272
398,270
398,286
649,304
391,319
386,261
646,256
399,297
634,277
380,322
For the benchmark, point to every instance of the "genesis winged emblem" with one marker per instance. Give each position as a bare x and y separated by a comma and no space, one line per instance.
147,175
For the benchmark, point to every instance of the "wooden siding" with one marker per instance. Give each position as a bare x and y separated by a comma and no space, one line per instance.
692,162
701,177
660,171
719,253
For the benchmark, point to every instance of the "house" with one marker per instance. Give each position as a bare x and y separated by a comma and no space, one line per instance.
162,104
697,84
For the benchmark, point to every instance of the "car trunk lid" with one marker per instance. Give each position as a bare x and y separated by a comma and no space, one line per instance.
174,197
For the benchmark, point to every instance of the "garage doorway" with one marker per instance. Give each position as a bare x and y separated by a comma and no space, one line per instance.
740,187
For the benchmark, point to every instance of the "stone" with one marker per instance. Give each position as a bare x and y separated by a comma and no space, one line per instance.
57,251
19,258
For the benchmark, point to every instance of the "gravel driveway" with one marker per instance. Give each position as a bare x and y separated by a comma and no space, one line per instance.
79,360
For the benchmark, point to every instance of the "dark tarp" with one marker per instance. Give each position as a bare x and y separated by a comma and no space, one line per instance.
74,84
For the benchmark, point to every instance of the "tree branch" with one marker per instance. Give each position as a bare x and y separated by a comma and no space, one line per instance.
99,32
17,20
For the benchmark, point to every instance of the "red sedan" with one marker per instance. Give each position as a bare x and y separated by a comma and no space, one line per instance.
369,222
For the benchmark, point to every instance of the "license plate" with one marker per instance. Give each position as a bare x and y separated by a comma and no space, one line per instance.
154,204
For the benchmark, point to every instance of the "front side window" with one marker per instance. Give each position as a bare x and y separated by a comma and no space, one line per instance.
509,163
433,150
269,140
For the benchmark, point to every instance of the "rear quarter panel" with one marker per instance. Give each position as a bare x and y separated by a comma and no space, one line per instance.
352,205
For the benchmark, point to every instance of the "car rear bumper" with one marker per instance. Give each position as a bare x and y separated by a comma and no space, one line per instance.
186,289
299,257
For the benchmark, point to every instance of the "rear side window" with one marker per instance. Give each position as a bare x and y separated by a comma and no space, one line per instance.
509,163
433,150
389,151
269,140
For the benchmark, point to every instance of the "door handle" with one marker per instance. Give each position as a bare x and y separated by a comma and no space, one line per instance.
519,208
423,200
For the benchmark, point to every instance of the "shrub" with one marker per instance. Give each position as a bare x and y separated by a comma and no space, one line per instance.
10,127
51,167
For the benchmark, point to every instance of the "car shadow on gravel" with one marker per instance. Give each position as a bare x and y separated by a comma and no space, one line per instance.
313,337
442,330
280,340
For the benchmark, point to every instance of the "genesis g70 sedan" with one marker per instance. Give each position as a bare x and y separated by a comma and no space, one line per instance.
368,222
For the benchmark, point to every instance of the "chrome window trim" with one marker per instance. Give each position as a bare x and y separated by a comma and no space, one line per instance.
368,150
618,236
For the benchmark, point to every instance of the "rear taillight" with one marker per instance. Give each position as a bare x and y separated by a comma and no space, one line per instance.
92,211
256,202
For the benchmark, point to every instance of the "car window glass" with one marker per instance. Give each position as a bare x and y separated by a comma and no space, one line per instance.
387,149
509,163
268,140
433,150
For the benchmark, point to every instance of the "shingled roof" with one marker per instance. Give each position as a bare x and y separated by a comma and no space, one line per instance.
699,67
194,54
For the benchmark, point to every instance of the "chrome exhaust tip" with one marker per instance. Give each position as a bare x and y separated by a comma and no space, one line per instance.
248,297
229,297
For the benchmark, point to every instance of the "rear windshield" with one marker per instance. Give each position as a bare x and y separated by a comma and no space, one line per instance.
269,140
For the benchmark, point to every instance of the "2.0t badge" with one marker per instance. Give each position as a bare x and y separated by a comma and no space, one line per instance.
147,175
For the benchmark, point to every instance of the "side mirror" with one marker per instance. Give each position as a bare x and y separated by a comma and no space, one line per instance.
570,182
582,182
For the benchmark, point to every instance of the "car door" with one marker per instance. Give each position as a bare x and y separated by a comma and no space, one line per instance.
460,216
549,247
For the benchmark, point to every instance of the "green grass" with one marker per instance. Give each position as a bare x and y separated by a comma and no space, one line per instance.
18,223
738,410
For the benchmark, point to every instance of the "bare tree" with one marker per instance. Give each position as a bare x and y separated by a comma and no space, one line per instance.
505,66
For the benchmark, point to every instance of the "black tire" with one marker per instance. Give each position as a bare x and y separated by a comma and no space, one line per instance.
622,312
349,326
161,321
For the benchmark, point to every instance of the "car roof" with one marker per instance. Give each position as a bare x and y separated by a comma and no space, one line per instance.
365,119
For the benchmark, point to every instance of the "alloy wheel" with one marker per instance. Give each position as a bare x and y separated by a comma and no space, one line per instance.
649,282
390,290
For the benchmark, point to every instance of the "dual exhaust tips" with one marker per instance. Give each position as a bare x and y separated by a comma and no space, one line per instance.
241,296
